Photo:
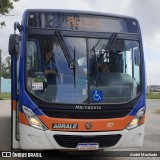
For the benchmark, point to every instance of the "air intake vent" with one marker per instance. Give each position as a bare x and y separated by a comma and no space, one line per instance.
72,114
70,141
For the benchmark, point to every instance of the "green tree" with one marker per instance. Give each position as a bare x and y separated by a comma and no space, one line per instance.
6,68
5,7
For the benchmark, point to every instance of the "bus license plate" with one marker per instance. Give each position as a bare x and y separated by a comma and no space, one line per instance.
87,146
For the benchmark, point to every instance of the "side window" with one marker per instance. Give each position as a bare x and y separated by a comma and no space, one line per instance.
133,63
128,64
136,64
32,62
32,56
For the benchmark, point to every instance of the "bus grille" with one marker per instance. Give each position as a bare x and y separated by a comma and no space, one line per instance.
72,114
70,141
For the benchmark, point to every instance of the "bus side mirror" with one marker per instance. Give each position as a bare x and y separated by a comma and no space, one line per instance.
13,44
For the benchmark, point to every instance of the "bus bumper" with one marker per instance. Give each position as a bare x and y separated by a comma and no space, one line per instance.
34,139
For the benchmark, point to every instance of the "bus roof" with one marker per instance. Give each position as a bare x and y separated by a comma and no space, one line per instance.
79,20
80,12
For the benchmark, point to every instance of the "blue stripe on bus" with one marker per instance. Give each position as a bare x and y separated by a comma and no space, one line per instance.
140,104
38,112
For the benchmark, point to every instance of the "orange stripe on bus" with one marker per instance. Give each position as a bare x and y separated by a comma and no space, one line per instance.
22,119
14,104
115,124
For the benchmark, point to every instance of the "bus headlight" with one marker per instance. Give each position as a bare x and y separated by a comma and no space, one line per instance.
136,120
33,120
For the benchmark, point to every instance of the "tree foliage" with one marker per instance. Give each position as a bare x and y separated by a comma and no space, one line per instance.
5,7
6,68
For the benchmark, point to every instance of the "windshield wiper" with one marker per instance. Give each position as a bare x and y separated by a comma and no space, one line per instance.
65,50
95,57
108,47
74,69
111,41
71,61
96,68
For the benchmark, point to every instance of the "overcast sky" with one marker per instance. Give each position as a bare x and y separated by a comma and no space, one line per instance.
146,11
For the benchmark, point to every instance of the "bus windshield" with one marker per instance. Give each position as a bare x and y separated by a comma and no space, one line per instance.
102,71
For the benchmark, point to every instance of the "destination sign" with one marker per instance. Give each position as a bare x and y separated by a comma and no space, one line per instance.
81,22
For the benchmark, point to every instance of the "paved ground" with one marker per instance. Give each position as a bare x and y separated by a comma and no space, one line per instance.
151,138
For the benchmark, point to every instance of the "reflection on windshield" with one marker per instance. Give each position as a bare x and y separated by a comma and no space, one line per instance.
114,70
108,72
58,83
